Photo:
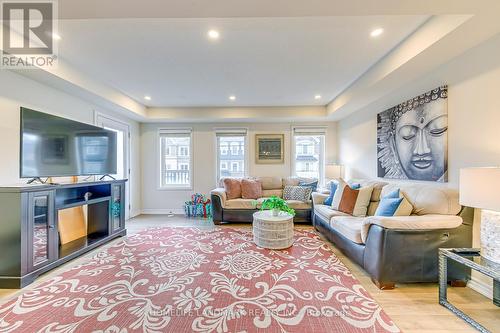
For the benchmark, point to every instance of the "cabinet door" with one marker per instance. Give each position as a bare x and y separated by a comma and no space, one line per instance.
117,207
41,229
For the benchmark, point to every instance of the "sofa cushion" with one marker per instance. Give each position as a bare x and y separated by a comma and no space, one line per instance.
349,227
294,181
241,204
270,193
414,222
251,188
428,199
377,187
232,186
300,193
326,212
297,204
271,183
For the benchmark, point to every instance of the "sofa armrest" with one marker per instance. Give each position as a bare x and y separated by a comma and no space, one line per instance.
318,198
413,222
221,193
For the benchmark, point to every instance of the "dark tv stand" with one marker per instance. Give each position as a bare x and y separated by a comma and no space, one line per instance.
37,179
29,236
106,175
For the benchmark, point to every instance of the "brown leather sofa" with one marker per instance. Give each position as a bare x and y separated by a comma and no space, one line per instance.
241,210
401,249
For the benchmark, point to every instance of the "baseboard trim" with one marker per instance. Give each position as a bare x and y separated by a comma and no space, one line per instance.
134,213
481,287
175,211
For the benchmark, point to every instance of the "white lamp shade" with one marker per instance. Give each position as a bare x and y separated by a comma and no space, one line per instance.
480,188
333,171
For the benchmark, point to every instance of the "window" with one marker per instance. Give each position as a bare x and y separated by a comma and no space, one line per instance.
175,158
223,148
234,148
234,164
183,151
309,152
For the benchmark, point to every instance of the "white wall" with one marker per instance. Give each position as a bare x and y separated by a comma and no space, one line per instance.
204,155
473,122
473,115
17,91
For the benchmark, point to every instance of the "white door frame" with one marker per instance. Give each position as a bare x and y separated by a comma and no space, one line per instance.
103,120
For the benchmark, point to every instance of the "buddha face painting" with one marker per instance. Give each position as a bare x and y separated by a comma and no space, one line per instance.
413,138
421,141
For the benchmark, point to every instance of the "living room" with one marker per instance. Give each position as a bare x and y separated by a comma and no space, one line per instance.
250,167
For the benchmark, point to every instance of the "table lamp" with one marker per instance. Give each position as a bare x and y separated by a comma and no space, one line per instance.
479,188
333,171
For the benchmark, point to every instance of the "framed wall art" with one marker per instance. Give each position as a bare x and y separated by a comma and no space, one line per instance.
269,148
412,138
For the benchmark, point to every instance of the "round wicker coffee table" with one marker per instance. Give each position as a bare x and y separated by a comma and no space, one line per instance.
272,232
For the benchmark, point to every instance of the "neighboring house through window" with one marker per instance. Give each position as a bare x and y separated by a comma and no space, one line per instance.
231,152
175,158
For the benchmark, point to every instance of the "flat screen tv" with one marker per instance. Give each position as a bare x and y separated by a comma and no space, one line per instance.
53,146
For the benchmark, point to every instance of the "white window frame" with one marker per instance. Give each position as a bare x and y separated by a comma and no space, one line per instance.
230,131
173,132
225,165
104,120
309,130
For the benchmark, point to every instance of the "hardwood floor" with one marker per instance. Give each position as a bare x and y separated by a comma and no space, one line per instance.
414,307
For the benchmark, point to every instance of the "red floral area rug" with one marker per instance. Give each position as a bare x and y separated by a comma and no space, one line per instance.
194,280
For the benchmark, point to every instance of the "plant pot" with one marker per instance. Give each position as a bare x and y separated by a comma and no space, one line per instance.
276,212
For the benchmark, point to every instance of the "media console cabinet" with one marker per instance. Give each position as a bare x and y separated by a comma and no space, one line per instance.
29,236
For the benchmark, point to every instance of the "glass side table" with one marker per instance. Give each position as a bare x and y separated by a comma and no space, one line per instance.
472,259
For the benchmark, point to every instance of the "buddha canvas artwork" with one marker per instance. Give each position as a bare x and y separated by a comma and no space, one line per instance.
412,138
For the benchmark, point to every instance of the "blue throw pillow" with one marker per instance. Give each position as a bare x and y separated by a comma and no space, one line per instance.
393,195
313,185
389,204
333,188
355,186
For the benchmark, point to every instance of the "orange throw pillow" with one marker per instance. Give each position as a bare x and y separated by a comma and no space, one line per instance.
348,201
232,186
251,189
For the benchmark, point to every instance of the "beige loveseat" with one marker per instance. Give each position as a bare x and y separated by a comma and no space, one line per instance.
241,210
399,248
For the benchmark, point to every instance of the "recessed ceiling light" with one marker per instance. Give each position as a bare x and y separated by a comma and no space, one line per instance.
232,97
56,36
376,32
317,96
147,98
213,34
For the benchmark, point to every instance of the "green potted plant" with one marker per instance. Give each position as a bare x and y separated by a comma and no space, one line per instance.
277,205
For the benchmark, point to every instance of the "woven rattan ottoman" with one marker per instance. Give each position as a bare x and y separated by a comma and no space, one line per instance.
272,232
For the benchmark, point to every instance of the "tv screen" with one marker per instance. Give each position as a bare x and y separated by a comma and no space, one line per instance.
52,146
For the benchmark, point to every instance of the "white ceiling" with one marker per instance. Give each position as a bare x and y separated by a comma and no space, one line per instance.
262,61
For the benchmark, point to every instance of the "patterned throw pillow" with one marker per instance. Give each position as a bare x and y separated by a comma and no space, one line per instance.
299,193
